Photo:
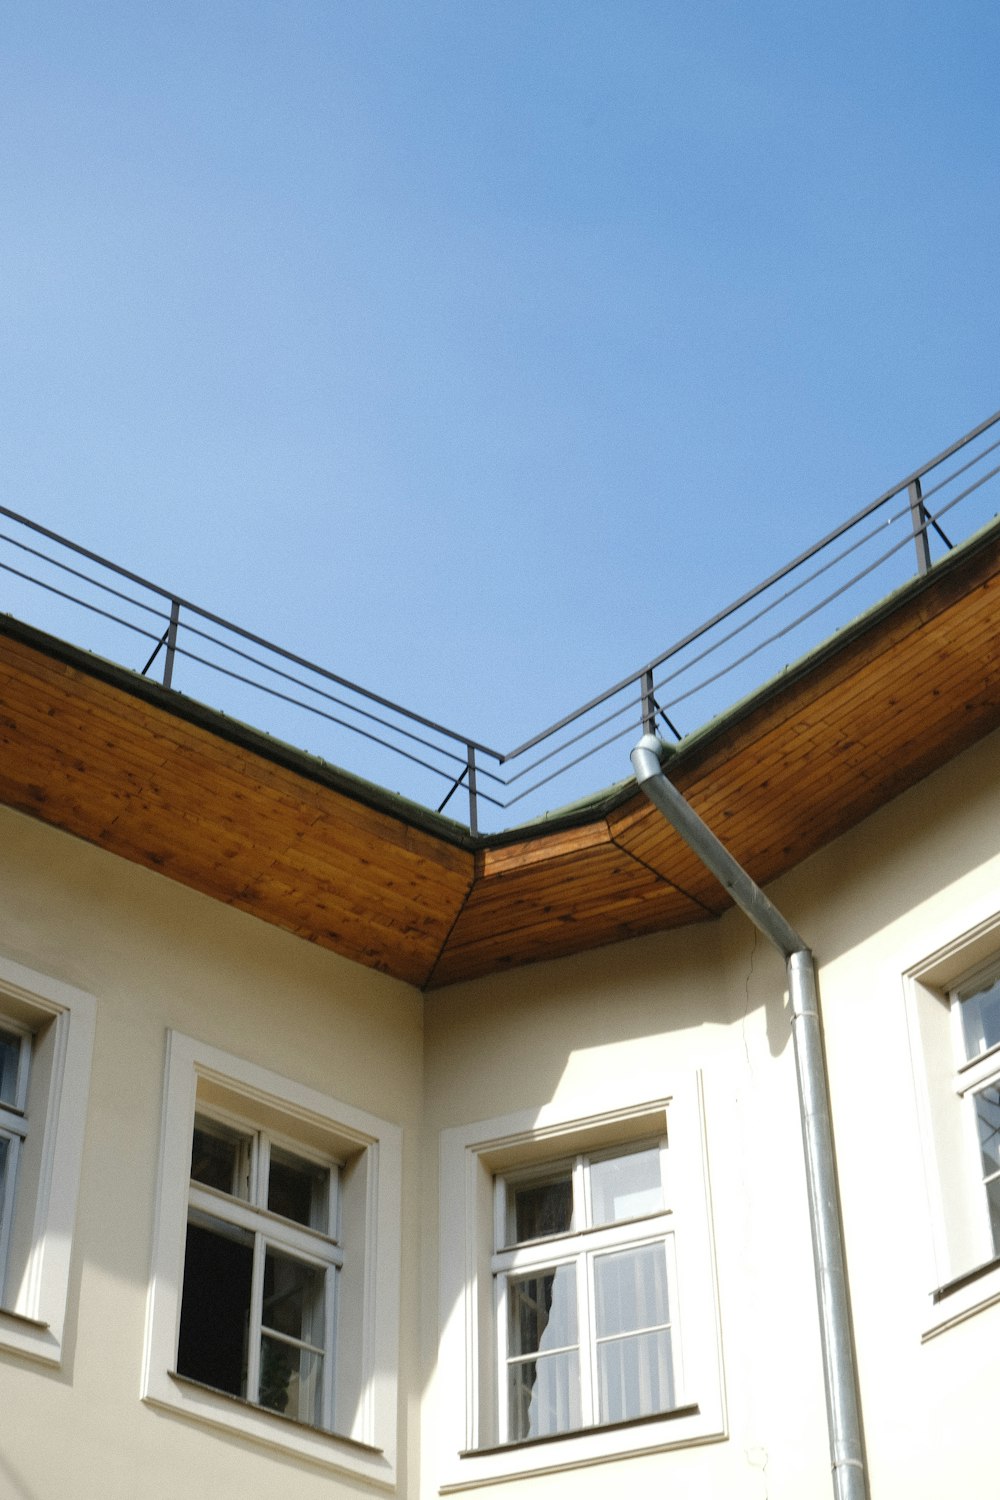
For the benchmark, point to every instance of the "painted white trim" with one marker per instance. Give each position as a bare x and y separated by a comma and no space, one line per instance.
949,1154
62,1019
369,1449
470,1156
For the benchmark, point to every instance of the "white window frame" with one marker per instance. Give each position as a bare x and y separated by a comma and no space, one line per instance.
581,1245
963,1274
313,1245
205,1079
472,1158
13,1131
49,1121
973,1074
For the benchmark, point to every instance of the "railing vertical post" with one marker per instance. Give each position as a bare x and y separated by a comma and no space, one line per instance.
168,664
918,519
648,704
473,804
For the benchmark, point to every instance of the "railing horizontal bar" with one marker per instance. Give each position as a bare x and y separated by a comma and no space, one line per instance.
95,609
943,510
773,604
925,495
787,629
395,735
533,765
714,646
753,593
311,708
706,682
612,739
363,713
96,583
970,437
248,635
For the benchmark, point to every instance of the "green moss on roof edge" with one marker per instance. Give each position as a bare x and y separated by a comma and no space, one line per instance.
570,815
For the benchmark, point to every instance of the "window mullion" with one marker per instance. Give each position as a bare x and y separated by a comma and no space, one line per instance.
256,1318
500,1191
330,1299
262,1169
984,1228
23,1065
7,1205
503,1383
588,1341
582,1217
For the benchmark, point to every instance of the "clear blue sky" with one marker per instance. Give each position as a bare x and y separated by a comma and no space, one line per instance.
478,349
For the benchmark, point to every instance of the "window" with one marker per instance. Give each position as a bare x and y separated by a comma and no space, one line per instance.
582,1272
15,1059
976,1025
953,1014
260,1263
565,1243
274,1298
46,1042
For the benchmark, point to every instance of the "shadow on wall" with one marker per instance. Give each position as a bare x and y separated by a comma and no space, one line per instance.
12,1486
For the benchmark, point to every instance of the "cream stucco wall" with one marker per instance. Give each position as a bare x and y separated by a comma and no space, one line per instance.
914,877
917,876
157,956
576,1033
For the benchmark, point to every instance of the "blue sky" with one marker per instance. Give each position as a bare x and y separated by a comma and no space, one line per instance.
478,350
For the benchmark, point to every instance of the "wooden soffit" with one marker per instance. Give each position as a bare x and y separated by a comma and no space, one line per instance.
156,779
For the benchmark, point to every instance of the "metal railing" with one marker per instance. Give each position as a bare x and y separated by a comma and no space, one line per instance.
56,584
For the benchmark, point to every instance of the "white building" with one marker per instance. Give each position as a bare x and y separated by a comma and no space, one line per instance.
344,1153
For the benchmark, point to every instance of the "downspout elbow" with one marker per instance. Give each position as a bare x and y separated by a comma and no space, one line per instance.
646,759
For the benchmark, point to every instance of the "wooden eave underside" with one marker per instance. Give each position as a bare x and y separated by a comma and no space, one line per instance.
139,772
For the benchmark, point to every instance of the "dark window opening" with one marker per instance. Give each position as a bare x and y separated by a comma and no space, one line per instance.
215,1308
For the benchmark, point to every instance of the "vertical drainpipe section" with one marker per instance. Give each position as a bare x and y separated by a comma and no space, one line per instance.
839,1364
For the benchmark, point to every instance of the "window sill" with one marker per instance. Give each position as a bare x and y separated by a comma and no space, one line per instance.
577,1432
270,1414
190,1400
565,1451
963,1297
978,1273
30,1336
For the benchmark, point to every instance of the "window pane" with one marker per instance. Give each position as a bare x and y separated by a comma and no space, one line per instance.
10,1054
635,1377
544,1396
4,1147
981,1017
541,1311
993,1203
215,1307
988,1120
220,1157
624,1187
631,1290
299,1189
291,1381
541,1208
293,1298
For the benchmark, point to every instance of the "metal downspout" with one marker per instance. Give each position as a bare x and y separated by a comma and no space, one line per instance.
839,1365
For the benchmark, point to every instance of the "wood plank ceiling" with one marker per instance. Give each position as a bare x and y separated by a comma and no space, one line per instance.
147,775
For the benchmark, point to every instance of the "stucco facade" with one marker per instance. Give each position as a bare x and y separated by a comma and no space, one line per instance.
906,901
